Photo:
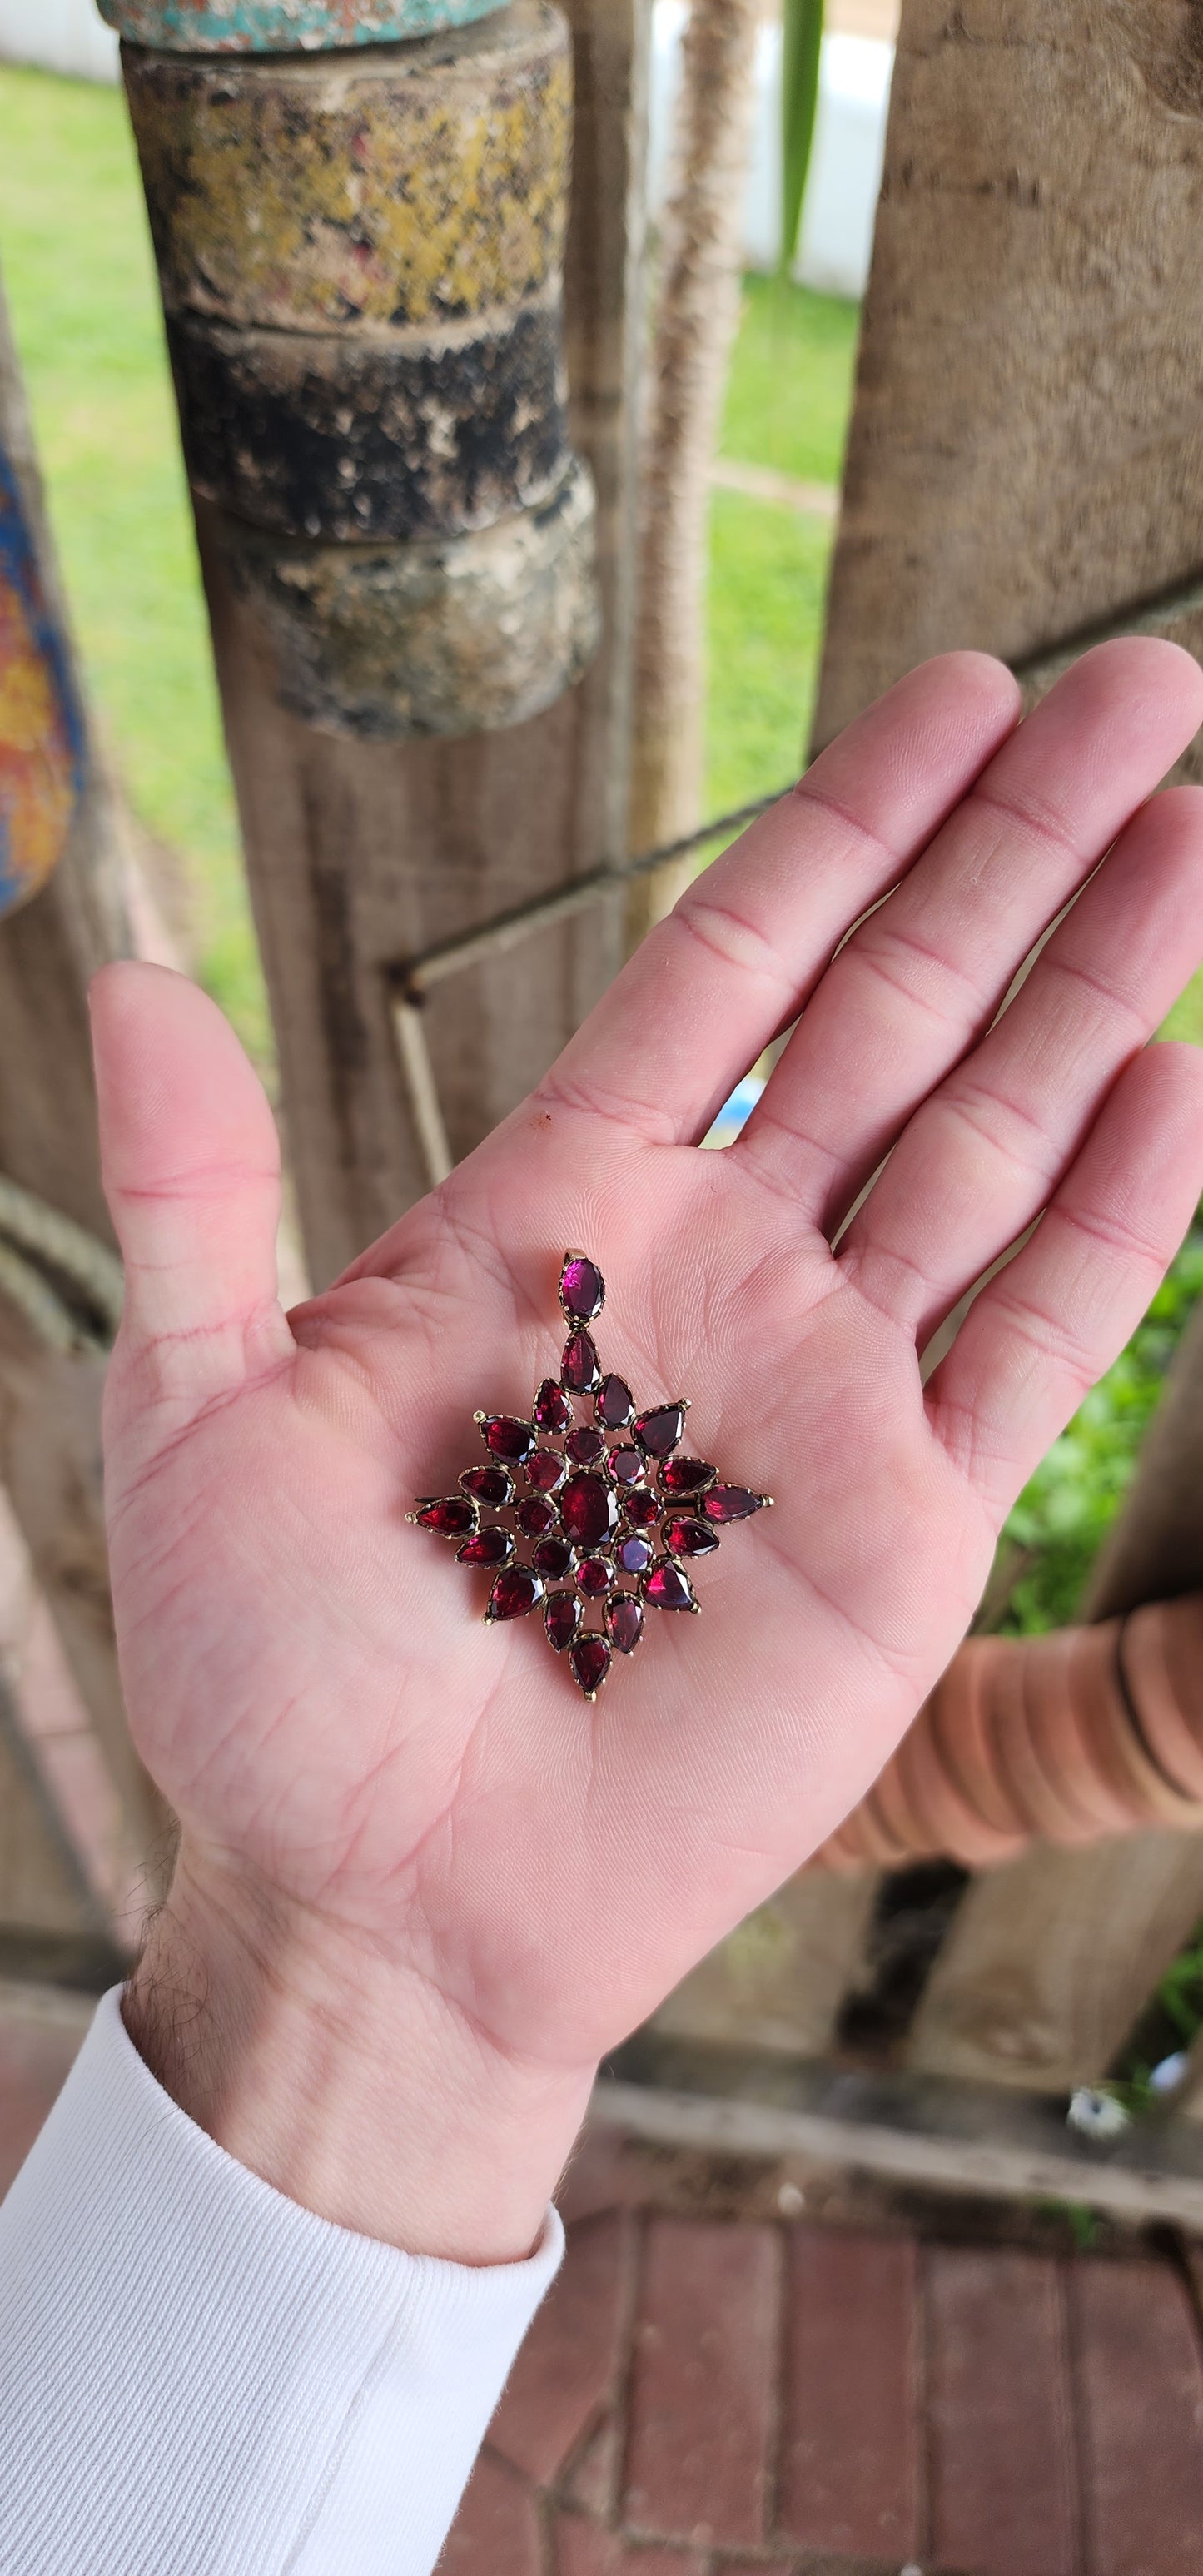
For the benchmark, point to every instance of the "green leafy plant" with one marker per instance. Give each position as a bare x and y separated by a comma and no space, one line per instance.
801,45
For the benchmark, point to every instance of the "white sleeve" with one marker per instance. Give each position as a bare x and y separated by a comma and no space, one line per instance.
199,2378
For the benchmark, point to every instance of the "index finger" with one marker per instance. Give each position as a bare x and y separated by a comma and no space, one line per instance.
736,958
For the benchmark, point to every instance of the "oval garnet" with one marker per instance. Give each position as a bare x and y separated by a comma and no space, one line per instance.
490,1485
452,1517
667,1587
634,1552
640,1507
731,1503
659,1431
589,1661
535,1516
561,1619
553,1558
579,1367
624,1621
628,1466
514,1593
585,1446
582,1288
615,1403
588,1510
552,1410
687,1475
489,1547
594,1577
545,1471
505,1437
686,1537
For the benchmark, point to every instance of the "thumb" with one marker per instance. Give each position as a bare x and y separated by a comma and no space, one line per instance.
191,1168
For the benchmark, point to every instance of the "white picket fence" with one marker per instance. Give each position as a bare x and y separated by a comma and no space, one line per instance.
841,199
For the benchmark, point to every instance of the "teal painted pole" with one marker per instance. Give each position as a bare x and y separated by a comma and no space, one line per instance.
283,26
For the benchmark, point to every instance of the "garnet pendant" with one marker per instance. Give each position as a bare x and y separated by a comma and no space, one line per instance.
595,1501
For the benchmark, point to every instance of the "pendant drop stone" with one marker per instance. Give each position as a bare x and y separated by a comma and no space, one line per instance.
594,1577
582,1288
640,1507
732,1503
659,1431
589,1660
514,1593
553,1559
545,1471
668,1588
634,1553
505,1437
489,1485
585,1446
690,1538
535,1516
489,1547
624,1621
452,1517
552,1410
615,1403
580,1368
588,1510
561,1619
687,1475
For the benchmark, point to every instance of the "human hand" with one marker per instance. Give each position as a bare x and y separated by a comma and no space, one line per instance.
422,1885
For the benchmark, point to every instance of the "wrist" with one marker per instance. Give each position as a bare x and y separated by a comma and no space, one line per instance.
346,2081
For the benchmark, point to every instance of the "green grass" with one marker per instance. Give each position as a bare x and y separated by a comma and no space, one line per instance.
768,574
790,390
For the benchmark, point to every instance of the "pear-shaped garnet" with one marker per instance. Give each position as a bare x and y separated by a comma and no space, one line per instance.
659,1431
624,1621
667,1587
489,1547
506,1438
589,1661
585,1446
535,1516
634,1552
545,1470
594,1576
579,1367
514,1593
687,1475
588,1510
582,1288
614,1403
561,1619
731,1503
640,1507
685,1537
628,1466
453,1517
489,1485
552,1410
552,1558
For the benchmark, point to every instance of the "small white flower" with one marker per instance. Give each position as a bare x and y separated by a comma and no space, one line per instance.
1096,2115
1167,2077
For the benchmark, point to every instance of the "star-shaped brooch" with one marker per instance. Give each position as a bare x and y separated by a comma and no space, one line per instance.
587,1508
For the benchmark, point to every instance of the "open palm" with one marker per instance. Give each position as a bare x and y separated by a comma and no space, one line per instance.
309,1677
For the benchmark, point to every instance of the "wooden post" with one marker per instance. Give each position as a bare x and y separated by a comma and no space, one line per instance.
50,1399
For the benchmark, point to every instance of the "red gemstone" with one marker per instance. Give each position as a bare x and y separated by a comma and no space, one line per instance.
453,1517
507,1438
731,1503
624,1621
588,1510
594,1577
579,1367
585,1446
553,1558
589,1661
667,1588
690,1538
535,1516
490,1485
641,1508
514,1593
489,1547
545,1471
687,1475
634,1552
582,1289
614,1404
552,1410
628,1466
561,1619
659,1431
